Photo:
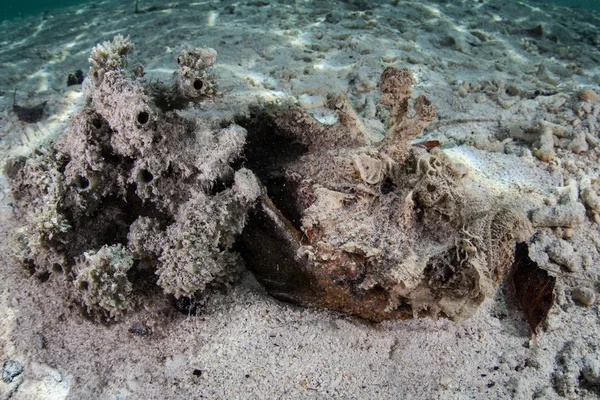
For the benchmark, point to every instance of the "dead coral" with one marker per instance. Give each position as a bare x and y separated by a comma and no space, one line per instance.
130,189
544,148
109,56
379,230
587,94
439,188
101,279
569,212
37,188
192,257
193,81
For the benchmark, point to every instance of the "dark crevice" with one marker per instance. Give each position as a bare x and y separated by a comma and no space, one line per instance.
109,225
29,266
97,123
592,389
438,273
267,153
82,182
291,281
57,268
43,276
387,186
221,185
166,98
142,278
145,177
188,305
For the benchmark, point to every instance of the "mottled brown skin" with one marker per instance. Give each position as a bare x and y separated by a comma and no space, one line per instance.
374,230
299,281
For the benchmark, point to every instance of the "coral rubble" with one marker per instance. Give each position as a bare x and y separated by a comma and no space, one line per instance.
133,190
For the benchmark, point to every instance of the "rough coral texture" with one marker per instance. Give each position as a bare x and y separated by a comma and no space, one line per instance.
569,212
130,189
193,80
103,282
379,230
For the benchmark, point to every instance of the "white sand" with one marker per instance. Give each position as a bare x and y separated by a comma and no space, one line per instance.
247,345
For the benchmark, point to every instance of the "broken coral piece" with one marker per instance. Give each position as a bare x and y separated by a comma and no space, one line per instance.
544,148
132,190
587,94
569,212
378,230
560,215
589,196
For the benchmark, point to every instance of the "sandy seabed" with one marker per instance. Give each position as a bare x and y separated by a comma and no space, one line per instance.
493,70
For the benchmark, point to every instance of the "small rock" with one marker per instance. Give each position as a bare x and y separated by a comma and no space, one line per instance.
362,79
450,41
309,102
389,59
585,296
445,382
588,94
537,31
579,143
475,87
333,18
544,75
140,330
591,369
39,340
10,370
513,90
568,233
562,253
591,199
76,78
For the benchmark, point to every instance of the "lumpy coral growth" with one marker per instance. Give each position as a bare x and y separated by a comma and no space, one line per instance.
130,188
